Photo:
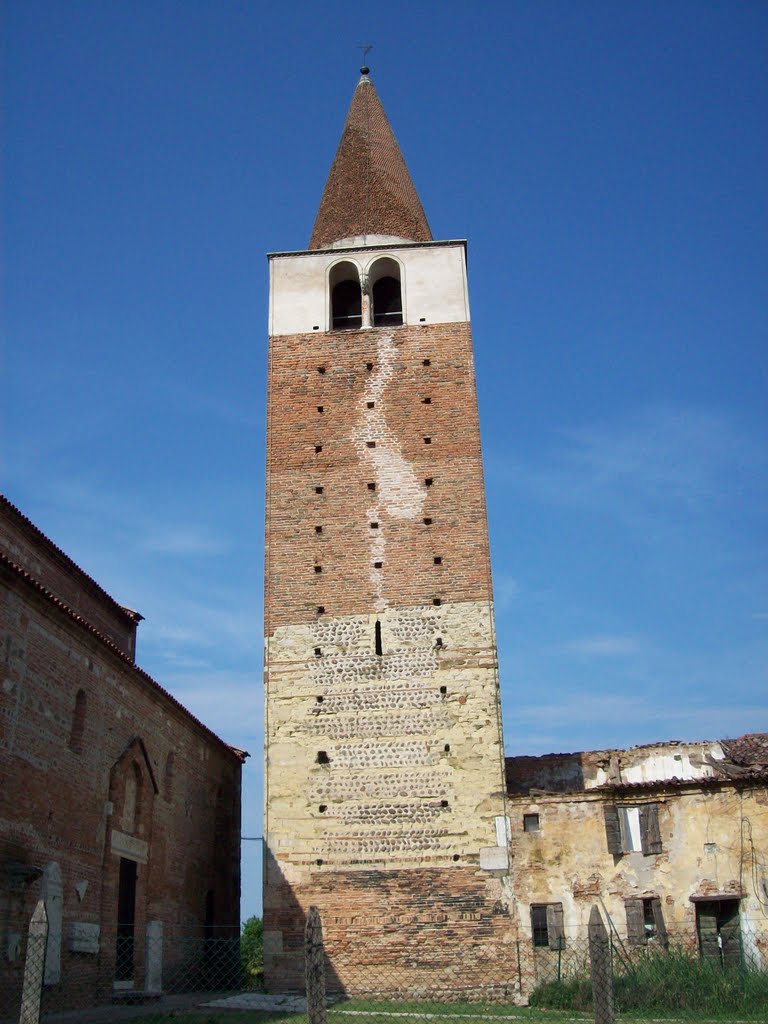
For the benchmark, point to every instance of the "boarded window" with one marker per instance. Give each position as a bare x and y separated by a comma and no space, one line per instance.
547,925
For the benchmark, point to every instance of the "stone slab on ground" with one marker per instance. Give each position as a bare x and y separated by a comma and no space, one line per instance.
261,1001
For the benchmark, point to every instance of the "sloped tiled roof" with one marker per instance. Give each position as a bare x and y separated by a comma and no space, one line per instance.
369,190
750,749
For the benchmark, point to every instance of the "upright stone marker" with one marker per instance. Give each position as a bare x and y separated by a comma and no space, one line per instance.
34,966
52,892
314,956
154,957
600,968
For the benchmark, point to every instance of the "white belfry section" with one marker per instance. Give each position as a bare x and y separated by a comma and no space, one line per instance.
434,284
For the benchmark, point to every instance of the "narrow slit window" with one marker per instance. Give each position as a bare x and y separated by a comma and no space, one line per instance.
377,639
78,723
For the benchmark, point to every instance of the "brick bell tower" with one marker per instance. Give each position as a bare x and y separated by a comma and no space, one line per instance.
384,775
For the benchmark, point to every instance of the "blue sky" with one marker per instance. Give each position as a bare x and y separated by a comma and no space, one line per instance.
607,163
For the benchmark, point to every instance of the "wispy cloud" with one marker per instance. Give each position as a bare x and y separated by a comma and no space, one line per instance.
684,460
506,591
605,646
184,540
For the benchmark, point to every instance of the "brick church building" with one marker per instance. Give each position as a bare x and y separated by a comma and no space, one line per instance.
118,808
384,778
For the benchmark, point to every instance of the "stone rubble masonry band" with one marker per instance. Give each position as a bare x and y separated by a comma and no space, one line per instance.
391,763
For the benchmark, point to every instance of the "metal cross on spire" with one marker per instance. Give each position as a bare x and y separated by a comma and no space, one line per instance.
366,48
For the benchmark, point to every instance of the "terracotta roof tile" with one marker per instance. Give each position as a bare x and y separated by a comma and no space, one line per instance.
369,190
750,749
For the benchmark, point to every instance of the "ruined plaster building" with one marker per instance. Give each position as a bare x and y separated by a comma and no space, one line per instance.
672,838
385,799
118,807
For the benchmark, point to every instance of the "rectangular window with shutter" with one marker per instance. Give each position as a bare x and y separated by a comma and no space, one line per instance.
547,925
632,829
645,921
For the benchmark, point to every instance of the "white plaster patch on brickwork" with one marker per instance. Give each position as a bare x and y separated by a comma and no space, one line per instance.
400,495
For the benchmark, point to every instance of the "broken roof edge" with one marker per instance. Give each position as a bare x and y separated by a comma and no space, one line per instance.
29,580
30,527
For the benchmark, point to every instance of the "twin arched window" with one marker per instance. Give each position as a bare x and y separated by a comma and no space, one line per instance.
349,311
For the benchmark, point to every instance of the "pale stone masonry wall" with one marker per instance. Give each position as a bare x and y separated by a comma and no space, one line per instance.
412,741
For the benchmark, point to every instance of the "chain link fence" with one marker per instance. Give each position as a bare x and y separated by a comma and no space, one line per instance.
158,975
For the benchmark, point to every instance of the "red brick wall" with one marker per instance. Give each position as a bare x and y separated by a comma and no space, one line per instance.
54,800
455,500
398,931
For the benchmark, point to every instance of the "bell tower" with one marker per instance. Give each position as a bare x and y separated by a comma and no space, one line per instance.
384,773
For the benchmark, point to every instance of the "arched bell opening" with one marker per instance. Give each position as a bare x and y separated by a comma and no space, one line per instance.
346,297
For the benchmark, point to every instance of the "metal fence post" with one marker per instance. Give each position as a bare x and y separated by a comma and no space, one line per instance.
600,969
314,962
34,965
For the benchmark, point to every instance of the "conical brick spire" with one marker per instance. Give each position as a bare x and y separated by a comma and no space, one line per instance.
369,190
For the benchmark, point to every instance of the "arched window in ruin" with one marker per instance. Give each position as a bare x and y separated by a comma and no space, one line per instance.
346,297
78,723
386,292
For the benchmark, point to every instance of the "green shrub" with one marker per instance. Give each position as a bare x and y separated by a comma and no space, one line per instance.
252,950
662,980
